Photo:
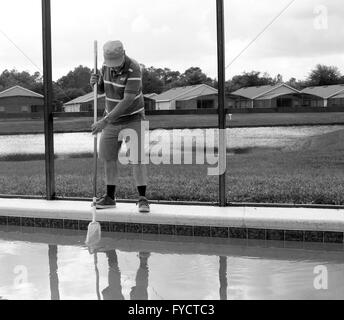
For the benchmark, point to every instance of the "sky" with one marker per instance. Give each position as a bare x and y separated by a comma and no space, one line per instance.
178,34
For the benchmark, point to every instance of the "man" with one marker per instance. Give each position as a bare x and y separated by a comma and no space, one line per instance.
121,80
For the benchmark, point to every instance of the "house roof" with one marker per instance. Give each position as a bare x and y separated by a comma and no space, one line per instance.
253,92
83,99
282,91
151,95
18,91
339,96
324,92
185,93
89,98
265,92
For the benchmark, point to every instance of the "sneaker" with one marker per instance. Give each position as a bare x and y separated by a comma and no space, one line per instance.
105,202
143,205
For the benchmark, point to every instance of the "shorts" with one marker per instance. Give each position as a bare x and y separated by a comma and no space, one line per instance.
114,134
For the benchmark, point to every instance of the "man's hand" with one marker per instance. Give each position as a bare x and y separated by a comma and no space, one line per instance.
94,79
98,126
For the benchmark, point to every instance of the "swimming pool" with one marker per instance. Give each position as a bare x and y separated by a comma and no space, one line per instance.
55,264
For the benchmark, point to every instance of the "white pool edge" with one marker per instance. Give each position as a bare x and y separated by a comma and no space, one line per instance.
304,219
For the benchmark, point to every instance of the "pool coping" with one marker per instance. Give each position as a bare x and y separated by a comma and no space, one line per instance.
256,223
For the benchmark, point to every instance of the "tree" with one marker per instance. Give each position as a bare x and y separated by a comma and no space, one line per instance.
297,84
79,78
278,79
249,79
193,76
170,78
324,75
151,81
24,79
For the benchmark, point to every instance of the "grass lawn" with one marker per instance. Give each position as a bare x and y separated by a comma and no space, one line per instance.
313,174
17,126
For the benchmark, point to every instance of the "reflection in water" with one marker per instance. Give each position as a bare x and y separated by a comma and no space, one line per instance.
284,274
114,289
95,257
223,278
140,290
53,276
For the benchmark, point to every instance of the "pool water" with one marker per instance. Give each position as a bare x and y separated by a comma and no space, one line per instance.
53,264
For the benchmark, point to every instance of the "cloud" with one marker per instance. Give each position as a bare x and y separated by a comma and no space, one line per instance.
140,25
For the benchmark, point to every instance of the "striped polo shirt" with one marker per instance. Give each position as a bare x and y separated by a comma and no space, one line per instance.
114,85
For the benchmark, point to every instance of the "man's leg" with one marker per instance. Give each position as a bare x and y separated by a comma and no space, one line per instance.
108,152
140,168
140,177
137,145
111,174
111,178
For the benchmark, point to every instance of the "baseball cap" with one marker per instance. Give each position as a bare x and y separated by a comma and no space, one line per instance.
114,53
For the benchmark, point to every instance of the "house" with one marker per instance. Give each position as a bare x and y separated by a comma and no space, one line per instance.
199,96
337,100
323,96
151,95
18,100
85,103
269,96
150,103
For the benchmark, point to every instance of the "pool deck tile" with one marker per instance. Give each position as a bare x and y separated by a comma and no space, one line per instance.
116,227
238,233
184,231
275,235
133,228
256,234
28,222
293,235
56,224
313,236
3,220
41,222
333,237
219,232
71,224
202,231
166,229
257,223
150,228
105,226
14,221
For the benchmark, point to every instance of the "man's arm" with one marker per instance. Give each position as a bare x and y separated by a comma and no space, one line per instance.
121,107
115,113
